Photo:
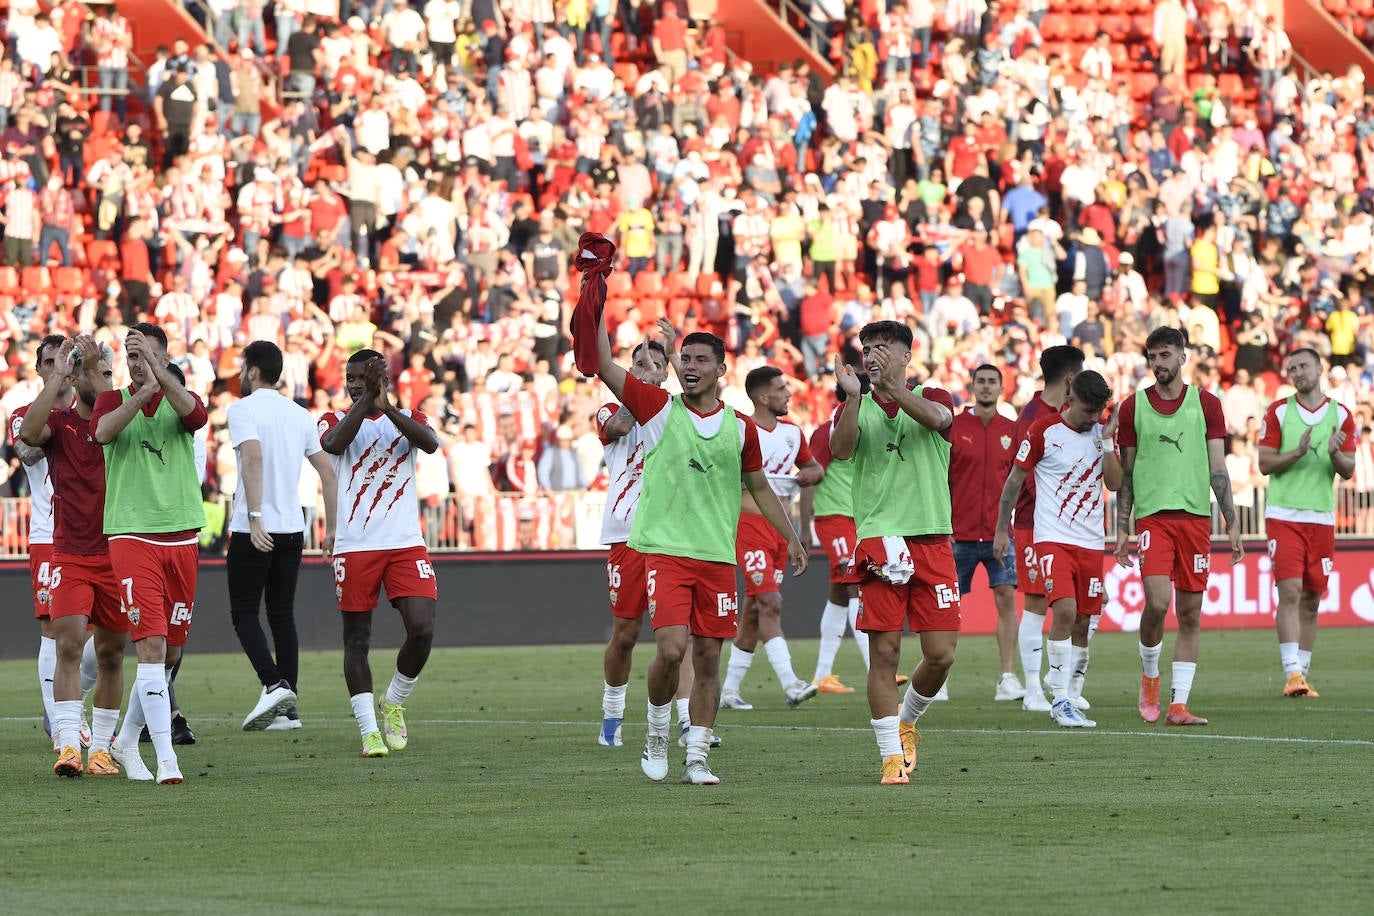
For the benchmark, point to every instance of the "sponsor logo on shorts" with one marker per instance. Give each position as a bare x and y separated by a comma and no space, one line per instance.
1327,566
777,577
1202,562
756,578
1094,587
726,604
946,596
134,614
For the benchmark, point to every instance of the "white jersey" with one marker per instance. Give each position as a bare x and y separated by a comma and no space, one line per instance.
377,508
1069,508
40,489
625,471
784,448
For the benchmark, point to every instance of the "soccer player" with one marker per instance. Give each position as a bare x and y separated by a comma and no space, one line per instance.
982,446
379,542
1072,456
82,588
695,455
760,550
153,516
620,436
273,436
1172,439
1057,368
1305,440
831,502
903,562
35,462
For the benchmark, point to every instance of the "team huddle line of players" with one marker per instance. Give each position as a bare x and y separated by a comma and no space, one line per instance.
116,517
696,492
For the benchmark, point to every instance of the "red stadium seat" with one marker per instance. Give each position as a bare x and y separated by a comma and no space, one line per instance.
35,279
100,251
618,285
9,281
649,283
1054,27
68,279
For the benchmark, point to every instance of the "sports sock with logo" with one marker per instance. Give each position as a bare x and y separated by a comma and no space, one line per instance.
832,634
860,637
613,701
1181,684
1149,659
1059,652
1030,642
1288,655
398,691
781,660
151,684
1079,671
364,712
889,740
736,669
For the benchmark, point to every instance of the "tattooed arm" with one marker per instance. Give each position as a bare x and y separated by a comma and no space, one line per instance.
1221,486
1125,507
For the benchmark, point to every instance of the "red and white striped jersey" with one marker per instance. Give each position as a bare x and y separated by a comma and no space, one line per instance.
110,33
377,507
625,470
784,449
40,488
1068,482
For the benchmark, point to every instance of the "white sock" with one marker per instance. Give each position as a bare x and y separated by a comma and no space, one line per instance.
1182,683
736,669
102,727
659,718
1305,659
47,671
914,705
66,725
1092,626
1149,659
90,667
1288,654
1059,651
1030,641
151,685
781,660
889,740
832,634
1079,672
684,714
860,637
399,689
133,720
613,701
364,712
698,743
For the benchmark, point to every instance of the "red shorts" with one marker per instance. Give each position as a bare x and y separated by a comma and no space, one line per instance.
625,581
40,568
86,587
1028,579
929,601
838,537
697,594
1302,549
360,575
1069,571
762,554
157,586
1180,548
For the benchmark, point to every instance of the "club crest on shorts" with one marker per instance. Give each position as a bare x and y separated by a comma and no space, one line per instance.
615,596
134,614
756,578
1032,574
653,606
338,591
44,597
1049,585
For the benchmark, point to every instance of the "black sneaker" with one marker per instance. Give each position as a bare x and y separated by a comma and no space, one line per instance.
181,731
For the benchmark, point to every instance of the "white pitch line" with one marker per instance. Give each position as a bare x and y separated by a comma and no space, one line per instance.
843,729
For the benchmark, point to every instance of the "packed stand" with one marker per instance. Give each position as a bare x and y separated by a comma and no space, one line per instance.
1001,178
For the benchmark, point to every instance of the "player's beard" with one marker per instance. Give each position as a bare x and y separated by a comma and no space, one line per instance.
87,396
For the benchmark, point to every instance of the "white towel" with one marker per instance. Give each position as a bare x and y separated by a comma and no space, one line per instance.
899,568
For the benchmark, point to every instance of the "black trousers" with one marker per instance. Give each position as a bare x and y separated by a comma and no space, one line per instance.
254,575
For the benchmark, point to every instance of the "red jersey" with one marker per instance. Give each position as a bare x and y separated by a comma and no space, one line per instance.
77,466
980,459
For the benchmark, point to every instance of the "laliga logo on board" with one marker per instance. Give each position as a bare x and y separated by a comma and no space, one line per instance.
1125,597
1362,600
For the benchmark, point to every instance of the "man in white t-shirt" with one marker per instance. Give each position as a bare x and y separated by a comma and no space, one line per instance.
380,542
1073,456
272,435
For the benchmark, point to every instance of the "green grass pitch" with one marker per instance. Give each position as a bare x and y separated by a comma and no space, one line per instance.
504,802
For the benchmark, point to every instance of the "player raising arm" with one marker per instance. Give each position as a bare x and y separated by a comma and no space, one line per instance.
695,456
378,542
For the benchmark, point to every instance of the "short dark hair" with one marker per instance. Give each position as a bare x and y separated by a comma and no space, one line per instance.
153,331
1090,388
1166,337
264,356
654,345
1317,357
986,367
893,331
363,356
707,339
760,378
51,340
1056,363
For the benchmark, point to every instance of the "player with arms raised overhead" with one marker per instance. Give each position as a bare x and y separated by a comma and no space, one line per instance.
379,542
760,550
81,582
696,452
1305,440
1058,365
1173,439
153,517
903,562
1072,456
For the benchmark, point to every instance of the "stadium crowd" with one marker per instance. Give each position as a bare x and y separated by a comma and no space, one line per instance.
412,177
